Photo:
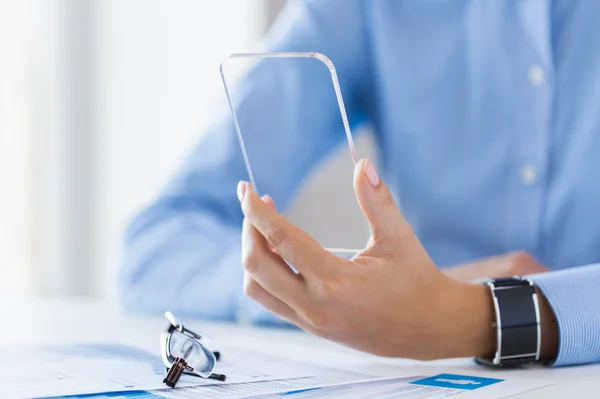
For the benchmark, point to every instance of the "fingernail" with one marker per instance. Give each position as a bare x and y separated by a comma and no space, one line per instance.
370,172
241,190
268,200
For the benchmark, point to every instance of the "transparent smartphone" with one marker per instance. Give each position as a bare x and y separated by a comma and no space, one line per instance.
278,133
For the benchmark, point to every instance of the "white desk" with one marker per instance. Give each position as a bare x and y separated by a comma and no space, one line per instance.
52,321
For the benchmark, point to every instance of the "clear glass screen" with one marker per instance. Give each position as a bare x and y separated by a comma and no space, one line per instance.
289,114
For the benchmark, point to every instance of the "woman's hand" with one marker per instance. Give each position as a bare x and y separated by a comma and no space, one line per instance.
389,300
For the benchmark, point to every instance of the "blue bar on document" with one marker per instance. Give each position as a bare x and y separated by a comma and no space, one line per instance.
455,381
110,395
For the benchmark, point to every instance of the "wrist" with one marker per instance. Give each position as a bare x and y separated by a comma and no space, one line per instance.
468,317
549,344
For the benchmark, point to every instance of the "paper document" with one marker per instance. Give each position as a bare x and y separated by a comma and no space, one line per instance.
118,371
94,368
438,386
325,377
331,385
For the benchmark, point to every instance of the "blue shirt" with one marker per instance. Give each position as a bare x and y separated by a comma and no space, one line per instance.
487,118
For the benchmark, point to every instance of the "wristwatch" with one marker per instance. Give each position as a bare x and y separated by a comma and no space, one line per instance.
517,322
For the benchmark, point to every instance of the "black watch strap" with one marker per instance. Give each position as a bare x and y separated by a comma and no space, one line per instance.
517,322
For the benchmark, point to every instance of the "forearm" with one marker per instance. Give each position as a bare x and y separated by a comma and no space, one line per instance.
182,261
186,262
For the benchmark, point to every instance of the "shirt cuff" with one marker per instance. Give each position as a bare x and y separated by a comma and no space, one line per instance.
574,296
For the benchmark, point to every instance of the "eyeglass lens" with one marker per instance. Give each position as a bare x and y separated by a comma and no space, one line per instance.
196,356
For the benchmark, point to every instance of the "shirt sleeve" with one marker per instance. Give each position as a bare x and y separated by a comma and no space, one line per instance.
574,296
183,252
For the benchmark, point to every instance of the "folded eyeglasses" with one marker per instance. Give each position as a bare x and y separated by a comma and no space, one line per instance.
185,352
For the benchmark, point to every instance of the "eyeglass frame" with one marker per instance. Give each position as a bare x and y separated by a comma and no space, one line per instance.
168,359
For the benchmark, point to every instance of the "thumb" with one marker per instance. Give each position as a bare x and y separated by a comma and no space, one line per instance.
388,226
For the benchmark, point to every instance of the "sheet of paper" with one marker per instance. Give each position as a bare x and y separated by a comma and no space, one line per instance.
437,386
109,368
92,368
326,377
342,385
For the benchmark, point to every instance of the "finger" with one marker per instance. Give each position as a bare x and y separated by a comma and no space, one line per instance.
268,269
269,201
377,204
522,263
255,291
291,243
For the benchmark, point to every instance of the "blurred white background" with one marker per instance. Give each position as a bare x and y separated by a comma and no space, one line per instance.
99,102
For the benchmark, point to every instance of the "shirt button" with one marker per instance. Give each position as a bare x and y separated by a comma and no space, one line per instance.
537,76
528,174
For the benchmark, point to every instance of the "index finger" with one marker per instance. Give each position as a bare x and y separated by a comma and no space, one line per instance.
291,243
